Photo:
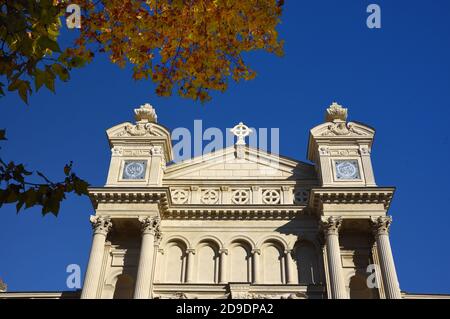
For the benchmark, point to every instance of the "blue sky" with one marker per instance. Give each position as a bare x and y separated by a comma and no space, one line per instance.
396,79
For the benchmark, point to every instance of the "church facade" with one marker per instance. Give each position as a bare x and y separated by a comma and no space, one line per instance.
240,222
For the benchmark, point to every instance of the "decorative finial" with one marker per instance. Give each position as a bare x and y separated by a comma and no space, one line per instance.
241,131
145,113
336,113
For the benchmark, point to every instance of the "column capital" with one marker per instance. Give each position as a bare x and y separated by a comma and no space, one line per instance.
151,225
331,225
288,251
381,225
190,251
256,251
223,251
101,224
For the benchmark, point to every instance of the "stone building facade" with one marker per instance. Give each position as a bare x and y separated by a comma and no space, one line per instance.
241,222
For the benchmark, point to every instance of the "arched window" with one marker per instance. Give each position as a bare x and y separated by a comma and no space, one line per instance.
272,264
175,254
207,263
239,262
124,287
307,263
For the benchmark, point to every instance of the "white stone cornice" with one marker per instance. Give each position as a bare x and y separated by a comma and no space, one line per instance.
236,212
129,195
351,195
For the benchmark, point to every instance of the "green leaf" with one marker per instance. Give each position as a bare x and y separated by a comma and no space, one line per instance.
30,198
39,78
22,86
60,71
49,79
47,43
80,186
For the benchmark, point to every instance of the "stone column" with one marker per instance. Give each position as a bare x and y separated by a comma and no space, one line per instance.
223,266
330,228
256,269
290,267
190,265
390,281
101,226
150,230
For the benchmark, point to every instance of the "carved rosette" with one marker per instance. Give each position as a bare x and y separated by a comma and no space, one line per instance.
156,150
364,150
101,224
381,225
117,151
151,225
324,151
331,225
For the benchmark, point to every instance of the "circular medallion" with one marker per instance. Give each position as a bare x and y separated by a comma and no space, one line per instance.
134,170
347,170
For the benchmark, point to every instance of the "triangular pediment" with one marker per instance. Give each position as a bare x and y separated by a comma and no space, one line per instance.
250,163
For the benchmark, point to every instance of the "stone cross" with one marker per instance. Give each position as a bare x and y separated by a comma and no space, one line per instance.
241,131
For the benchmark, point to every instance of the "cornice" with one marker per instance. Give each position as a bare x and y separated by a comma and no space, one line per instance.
351,195
236,212
318,197
119,195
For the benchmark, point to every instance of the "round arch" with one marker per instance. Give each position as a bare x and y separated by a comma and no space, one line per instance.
274,239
